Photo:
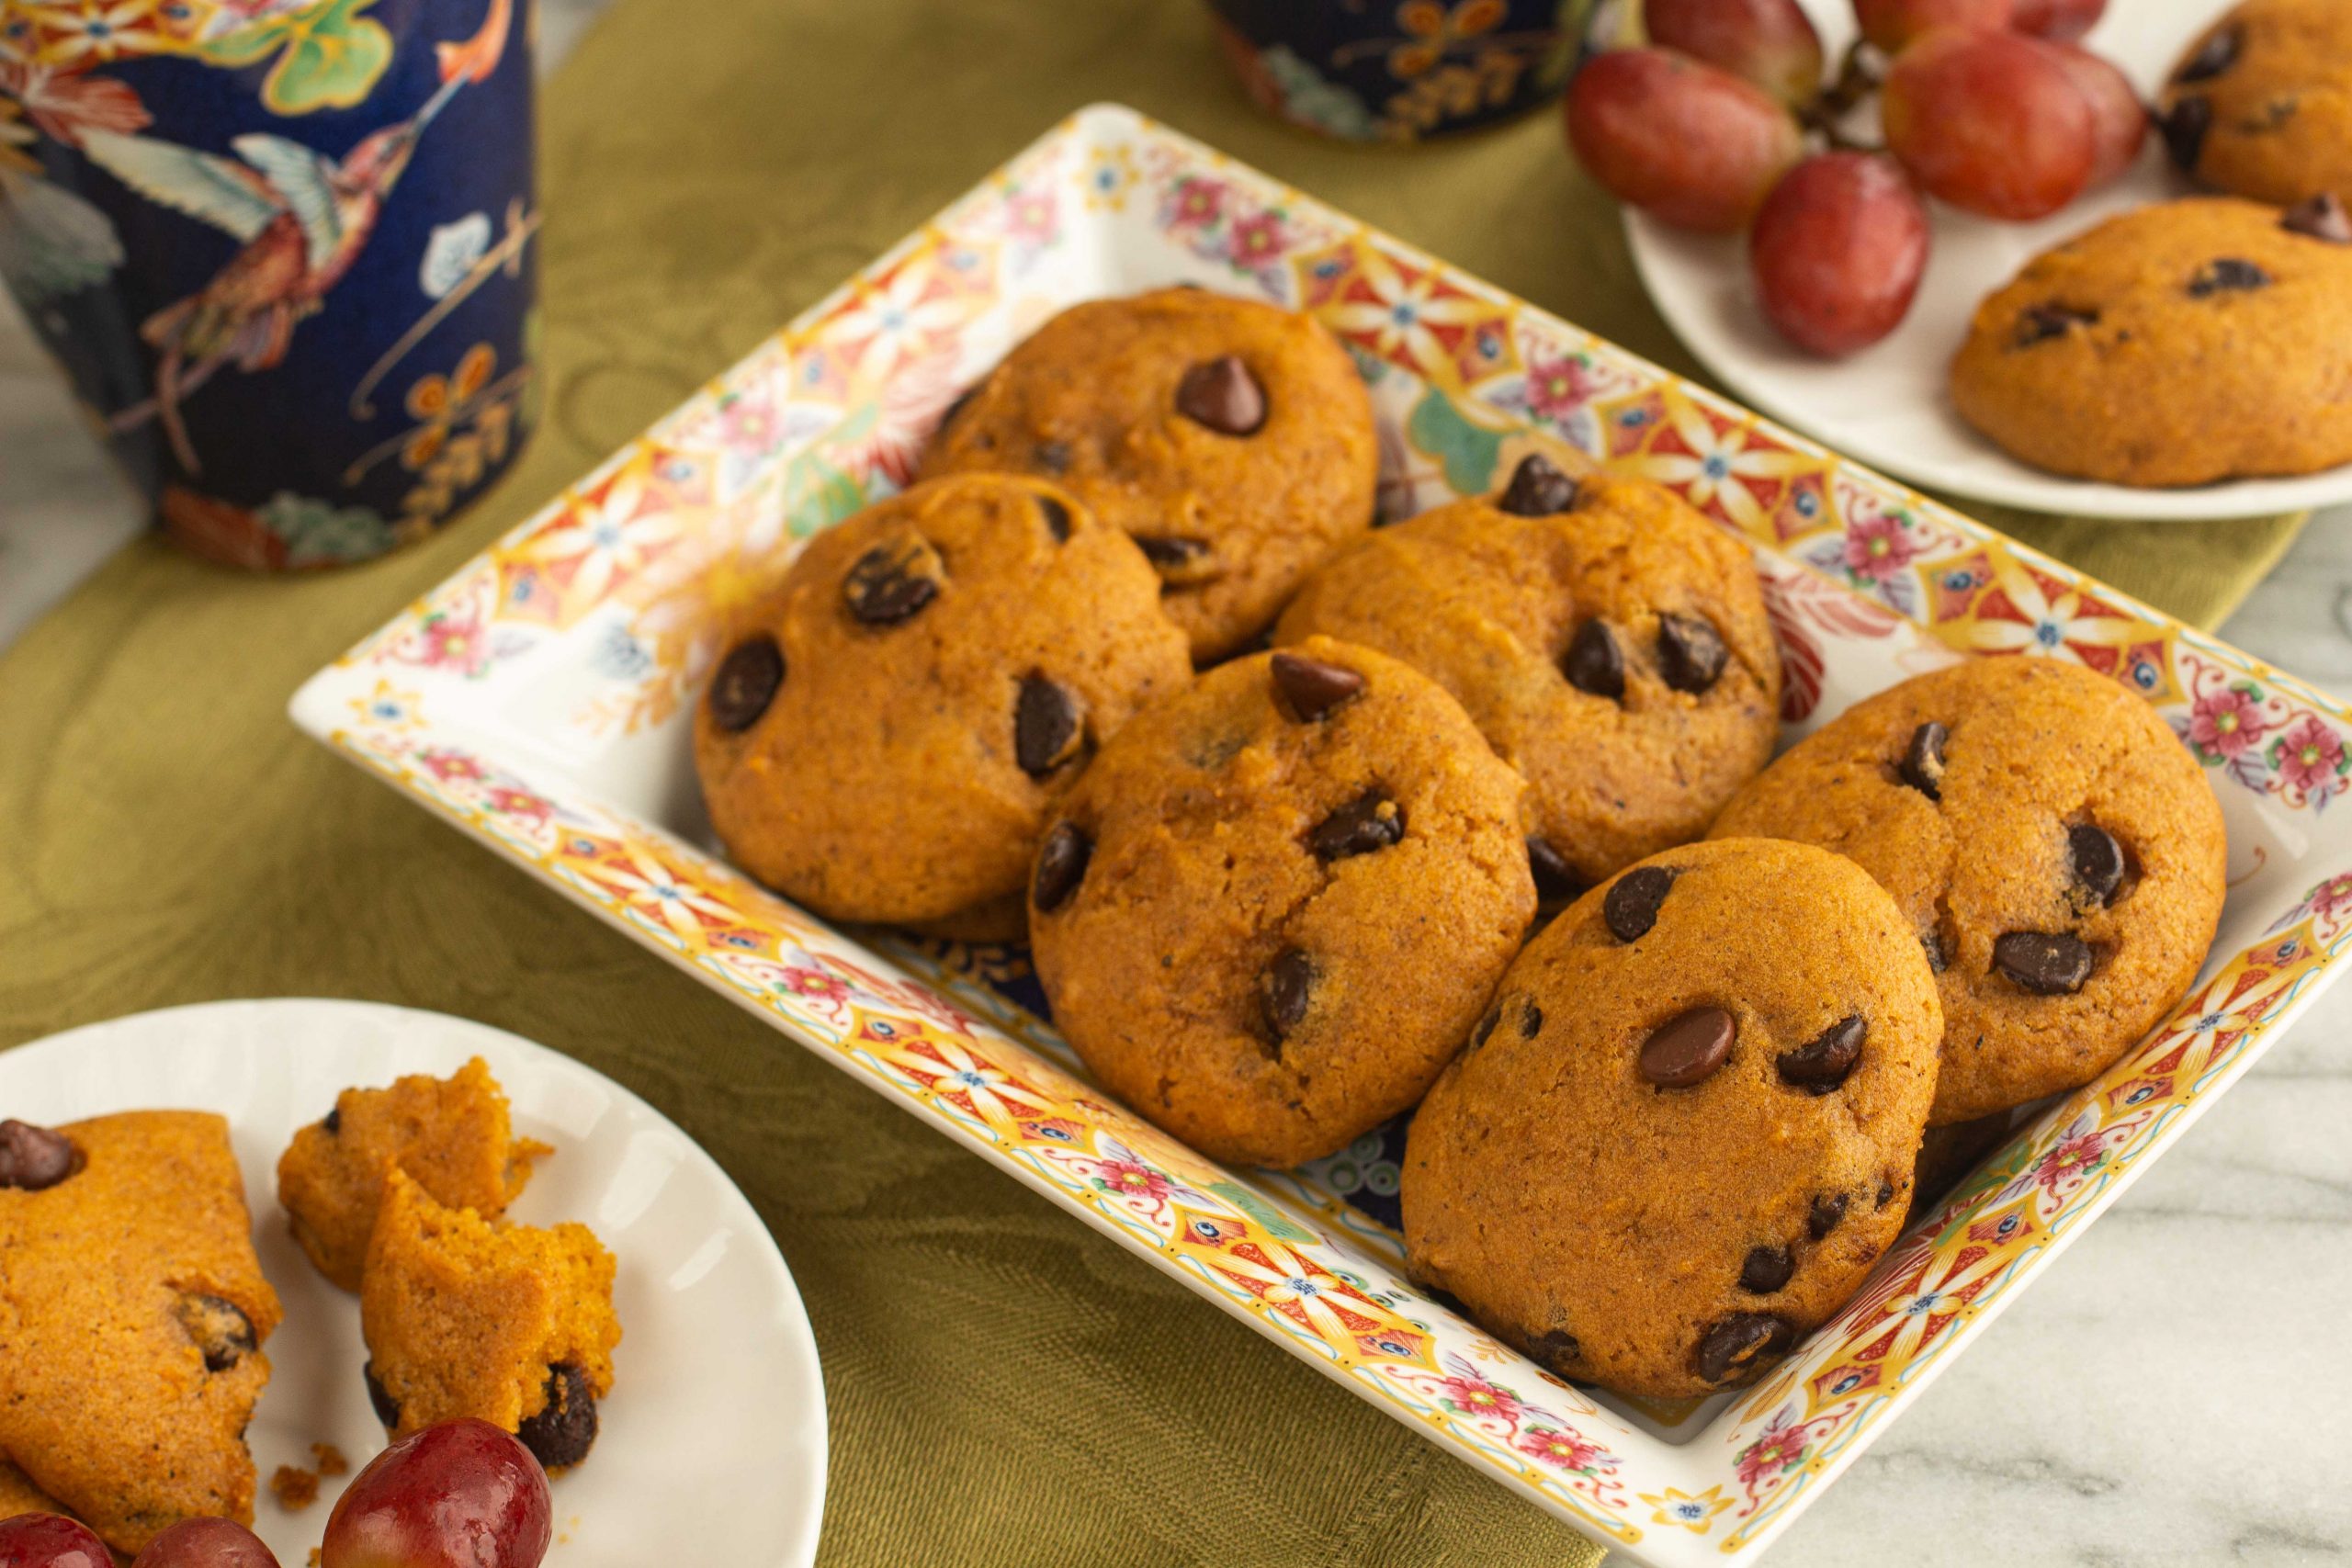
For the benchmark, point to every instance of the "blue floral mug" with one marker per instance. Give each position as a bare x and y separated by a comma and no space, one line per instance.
282,250
1386,71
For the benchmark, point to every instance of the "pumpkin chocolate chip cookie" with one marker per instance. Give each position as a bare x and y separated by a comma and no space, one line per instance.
2056,851
1277,902
133,1314
1609,642
1686,1129
2179,345
1232,438
885,741
2261,104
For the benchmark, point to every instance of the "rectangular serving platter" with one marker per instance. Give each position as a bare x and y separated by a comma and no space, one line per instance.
541,700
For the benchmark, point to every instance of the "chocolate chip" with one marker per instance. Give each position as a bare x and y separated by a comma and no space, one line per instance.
961,402
1739,1342
221,1329
1690,652
1053,458
2097,859
746,684
1765,1269
1371,821
333,1122
2040,323
1313,688
1822,1063
563,1431
1631,907
1530,1019
1923,760
1556,880
1688,1049
1538,489
2228,275
2184,129
1288,982
1932,944
1224,396
1486,1030
388,1409
2048,964
1061,867
2321,218
1594,663
2216,54
1180,562
894,579
34,1158
1046,731
1556,1349
1886,1194
1828,1209
1057,518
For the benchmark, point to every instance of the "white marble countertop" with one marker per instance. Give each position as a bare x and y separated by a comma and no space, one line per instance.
2175,1390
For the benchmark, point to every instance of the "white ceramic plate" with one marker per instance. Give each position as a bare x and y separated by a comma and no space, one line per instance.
713,1440
1888,405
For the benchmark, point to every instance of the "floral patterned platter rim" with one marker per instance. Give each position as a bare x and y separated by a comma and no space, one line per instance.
539,699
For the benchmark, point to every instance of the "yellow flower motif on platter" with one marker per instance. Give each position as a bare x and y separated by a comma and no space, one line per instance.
387,708
1694,1512
1109,174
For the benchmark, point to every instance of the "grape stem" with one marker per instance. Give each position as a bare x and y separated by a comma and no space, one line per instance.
1860,74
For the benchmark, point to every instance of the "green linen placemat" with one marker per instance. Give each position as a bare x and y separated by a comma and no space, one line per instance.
1005,1386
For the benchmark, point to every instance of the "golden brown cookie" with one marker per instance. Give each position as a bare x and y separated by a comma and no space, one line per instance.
507,1324
1607,641
2056,849
2260,105
455,1135
2178,344
132,1313
885,742
1234,439
1271,910
1686,1131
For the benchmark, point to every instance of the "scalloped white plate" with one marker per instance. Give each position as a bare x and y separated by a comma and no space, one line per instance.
1888,405
713,1439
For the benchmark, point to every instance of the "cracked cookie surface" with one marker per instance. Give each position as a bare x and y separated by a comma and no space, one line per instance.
1276,904
132,1313
2181,343
2055,848
1232,438
1686,1129
1609,642
884,737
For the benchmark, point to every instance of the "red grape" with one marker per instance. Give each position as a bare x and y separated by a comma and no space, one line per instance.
207,1543
1991,122
461,1494
2118,119
1892,23
1838,251
1696,146
1769,42
50,1540
2061,21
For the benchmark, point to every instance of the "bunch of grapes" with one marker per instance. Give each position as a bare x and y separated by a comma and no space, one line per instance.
1728,122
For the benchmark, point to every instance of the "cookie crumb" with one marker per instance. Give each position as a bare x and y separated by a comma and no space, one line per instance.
331,1459
318,1556
294,1487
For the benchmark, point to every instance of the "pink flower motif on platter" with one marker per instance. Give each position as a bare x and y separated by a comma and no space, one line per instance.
449,766
1562,1451
1258,238
1556,388
1029,217
2309,756
1474,1396
2333,897
1877,548
814,984
2226,721
2076,1157
1780,1446
1130,1179
1198,202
